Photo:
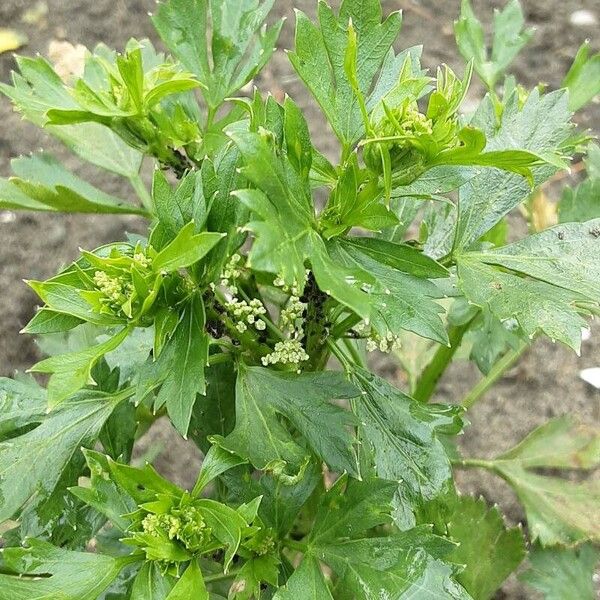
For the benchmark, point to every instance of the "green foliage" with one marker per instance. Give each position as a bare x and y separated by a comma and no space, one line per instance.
244,313
489,551
563,573
509,39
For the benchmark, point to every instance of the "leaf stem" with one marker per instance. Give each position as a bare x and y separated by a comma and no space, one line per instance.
496,372
296,545
143,194
354,352
439,363
341,328
475,462
221,576
216,359
341,356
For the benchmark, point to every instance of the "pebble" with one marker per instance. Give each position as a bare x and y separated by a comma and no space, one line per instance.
583,18
591,376
6,216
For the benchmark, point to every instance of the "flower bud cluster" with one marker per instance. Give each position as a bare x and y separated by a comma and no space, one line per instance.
246,313
116,290
286,352
185,525
387,343
121,282
291,350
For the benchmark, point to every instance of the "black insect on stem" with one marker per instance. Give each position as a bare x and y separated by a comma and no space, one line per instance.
315,320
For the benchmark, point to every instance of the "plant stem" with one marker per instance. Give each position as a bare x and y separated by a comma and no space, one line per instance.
140,189
475,462
354,352
296,545
221,576
216,359
496,372
337,352
439,363
341,328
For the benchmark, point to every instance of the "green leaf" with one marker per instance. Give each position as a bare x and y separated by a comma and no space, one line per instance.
46,572
150,584
320,55
397,301
176,208
402,435
541,126
399,566
190,585
305,400
254,575
561,444
561,274
21,404
185,378
490,551
238,48
581,203
186,249
563,573
70,372
216,461
37,88
103,494
281,501
32,464
491,339
395,566
402,257
214,413
100,146
535,305
558,511
351,507
226,524
281,245
583,78
274,175
66,300
337,280
42,183
143,484
306,583
563,256
509,40
297,138
47,321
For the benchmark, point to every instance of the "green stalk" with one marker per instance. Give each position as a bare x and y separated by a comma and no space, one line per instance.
439,363
478,463
216,359
341,328
143,194
341,356
354,352
496,372
296,545
221,576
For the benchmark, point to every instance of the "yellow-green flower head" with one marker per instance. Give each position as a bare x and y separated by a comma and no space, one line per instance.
185,525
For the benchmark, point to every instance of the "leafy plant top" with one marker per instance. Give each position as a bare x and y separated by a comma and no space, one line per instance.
244,316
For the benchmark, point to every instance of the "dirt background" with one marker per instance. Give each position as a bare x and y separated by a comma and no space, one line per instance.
544,384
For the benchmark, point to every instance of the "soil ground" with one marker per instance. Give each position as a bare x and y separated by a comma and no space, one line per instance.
544,384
